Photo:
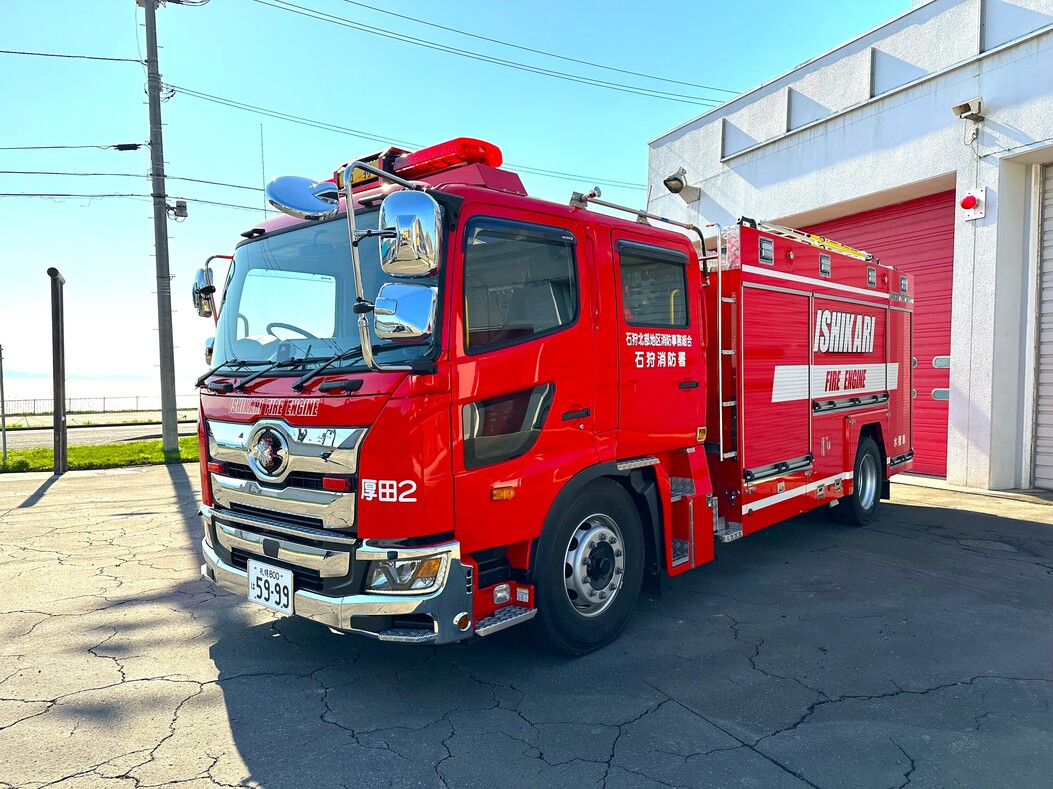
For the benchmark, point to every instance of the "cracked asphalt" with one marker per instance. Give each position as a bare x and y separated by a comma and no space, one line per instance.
916,652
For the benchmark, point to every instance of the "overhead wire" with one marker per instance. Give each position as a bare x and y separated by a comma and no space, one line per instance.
288,116
72,57
119,146
321,124
134,175
382,139
540,51
130,195
284,5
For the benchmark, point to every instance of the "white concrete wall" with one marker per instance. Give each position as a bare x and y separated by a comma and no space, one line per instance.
869,124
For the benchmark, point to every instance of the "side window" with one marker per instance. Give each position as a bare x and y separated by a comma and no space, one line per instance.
520,282
654,285
505,427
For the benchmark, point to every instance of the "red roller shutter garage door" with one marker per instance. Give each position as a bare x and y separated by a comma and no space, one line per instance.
917,237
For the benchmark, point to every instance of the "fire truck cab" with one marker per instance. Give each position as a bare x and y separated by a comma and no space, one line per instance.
439,407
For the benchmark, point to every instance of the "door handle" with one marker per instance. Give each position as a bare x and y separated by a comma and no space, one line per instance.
688,385
569,416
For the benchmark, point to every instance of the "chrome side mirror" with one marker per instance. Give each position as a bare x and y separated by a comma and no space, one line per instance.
203,292
411,247
210,345
405,312
303,198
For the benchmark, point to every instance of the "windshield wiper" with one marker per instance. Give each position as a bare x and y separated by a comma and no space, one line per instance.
294,362
220,366
350,353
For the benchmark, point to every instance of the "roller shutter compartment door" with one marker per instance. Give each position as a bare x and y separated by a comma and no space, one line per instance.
1044,400
918,237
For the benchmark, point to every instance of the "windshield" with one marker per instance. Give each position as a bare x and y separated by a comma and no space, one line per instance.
290,295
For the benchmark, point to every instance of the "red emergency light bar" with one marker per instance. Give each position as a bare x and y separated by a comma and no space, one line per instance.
452,153
426,161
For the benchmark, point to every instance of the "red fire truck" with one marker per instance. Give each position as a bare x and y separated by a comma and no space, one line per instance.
456,408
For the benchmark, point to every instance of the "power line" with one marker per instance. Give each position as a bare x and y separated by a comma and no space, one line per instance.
289,117
47,172
125,195
132,175
336,20
66,194
564,176
72,57
216,183
123,146
540,51
254,208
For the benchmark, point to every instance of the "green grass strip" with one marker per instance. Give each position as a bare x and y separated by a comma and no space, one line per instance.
132,453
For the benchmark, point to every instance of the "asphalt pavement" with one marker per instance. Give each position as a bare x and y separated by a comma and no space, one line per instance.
916,652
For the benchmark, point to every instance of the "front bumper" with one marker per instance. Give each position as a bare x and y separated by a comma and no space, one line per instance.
373,615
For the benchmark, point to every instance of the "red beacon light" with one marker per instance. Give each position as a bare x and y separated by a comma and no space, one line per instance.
445,155
426,161
969,202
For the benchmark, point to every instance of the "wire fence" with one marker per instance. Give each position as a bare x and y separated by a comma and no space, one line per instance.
94,405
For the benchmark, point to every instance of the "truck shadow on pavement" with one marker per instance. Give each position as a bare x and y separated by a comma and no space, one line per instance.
913,641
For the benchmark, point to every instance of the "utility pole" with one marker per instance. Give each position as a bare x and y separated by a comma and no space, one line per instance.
169,429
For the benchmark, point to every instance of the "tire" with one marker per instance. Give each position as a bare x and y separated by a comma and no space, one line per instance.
860,508
589,568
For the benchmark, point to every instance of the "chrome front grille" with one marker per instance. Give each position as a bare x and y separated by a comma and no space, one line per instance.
307,480
296,494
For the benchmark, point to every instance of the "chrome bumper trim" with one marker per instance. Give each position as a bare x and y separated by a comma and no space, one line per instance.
334,510
327,563
291,529
442,605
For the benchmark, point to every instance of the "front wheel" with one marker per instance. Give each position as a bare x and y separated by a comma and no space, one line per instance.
590,565
860,508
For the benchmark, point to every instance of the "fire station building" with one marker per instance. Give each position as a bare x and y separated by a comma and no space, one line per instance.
928,142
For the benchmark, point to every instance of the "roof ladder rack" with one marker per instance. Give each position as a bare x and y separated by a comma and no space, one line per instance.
821,242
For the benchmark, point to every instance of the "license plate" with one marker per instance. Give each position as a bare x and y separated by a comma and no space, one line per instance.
271,587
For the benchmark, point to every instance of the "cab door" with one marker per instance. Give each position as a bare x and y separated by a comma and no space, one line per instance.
660,360
523,389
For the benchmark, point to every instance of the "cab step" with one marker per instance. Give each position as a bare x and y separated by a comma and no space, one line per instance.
503,618
681,552
726,531
681,487
407,635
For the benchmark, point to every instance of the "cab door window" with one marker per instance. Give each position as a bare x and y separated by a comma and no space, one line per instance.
654,286
520,282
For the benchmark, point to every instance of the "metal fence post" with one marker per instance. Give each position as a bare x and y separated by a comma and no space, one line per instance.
58,366
3,410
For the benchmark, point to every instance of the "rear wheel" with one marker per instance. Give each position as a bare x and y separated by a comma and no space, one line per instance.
860,508
589,570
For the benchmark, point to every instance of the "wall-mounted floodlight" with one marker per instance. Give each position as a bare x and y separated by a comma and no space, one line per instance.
971,110
677,184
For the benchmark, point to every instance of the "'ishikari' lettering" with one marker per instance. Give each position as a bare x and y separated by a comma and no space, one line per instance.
843,332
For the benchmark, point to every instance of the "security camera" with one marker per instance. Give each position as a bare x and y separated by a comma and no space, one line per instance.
675,182
970,110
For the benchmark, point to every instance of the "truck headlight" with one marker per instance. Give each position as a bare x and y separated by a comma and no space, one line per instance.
406,575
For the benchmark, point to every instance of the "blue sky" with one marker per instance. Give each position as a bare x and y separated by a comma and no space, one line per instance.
269,54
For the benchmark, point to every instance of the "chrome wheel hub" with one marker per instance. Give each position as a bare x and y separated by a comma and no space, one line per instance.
866,482
594,567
